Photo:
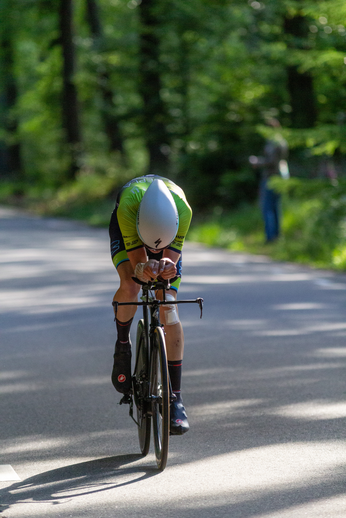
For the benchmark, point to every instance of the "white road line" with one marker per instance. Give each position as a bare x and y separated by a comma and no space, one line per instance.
7,473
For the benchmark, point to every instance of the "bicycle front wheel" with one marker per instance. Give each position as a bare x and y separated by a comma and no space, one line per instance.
141,388
159,392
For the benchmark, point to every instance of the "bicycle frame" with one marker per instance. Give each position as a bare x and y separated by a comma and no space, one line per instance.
152,395
149,301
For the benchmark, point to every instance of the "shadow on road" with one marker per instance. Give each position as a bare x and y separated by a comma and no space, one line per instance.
60,485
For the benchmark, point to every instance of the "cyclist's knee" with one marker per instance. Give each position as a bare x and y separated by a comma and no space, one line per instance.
129,288
169,313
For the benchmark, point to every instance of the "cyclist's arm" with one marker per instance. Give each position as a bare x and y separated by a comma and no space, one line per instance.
143,269
148,270
171,254
139,255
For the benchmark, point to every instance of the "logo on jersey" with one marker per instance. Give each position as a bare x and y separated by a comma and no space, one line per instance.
115,246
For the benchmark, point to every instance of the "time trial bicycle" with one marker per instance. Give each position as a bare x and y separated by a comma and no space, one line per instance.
151,388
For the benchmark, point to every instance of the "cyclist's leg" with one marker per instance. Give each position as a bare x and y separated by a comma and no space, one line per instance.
127,292
175,352
173,329
170,319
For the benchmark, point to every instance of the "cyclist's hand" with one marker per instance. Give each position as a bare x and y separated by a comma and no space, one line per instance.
151,270
167,268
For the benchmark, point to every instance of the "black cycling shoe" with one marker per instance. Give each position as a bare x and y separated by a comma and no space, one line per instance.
178,420
121,374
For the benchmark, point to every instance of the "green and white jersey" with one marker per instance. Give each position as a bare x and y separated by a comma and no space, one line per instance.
130,197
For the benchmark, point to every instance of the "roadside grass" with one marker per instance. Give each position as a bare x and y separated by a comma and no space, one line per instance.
240,231
90,198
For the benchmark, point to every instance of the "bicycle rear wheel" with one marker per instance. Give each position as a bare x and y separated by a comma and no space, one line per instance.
141,388
159,392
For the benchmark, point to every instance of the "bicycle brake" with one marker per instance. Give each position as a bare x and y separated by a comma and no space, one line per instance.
200,303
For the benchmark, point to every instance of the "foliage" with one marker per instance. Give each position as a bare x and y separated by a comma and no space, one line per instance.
313,225
237,230
90,196
222,68
314,222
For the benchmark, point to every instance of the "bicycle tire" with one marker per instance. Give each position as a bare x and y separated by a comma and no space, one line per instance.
160,395
141,388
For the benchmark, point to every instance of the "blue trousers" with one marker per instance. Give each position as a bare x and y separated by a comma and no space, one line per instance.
270,206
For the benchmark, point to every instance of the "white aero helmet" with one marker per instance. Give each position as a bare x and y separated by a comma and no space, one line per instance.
157,217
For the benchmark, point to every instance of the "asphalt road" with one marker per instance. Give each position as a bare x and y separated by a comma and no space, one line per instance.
264,385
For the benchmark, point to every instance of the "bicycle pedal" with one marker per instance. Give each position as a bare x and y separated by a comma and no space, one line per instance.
126,399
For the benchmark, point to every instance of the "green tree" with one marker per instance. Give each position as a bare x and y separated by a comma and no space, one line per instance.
103,74
154,111
70,108
300,83
10,148
181,88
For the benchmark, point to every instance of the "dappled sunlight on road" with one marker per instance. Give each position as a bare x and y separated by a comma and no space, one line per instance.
246,324
263,469
332,352
241,278
34,327
263,385
53,298
202,255
304,330
32,384
52,445
270,327
222,409
312,410
50,269
300,306
232,374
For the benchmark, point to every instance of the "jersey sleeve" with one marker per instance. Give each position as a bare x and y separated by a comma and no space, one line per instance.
127,214
185,215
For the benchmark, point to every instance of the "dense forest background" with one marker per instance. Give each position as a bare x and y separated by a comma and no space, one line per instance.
98,91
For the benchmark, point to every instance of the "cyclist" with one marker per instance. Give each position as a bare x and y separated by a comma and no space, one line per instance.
147,231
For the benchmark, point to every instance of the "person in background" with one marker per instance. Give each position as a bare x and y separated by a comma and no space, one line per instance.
273,162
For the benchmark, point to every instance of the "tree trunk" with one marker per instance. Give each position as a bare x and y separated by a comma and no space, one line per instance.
10,148
301,90
70,110
154,115
111,124
300,85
